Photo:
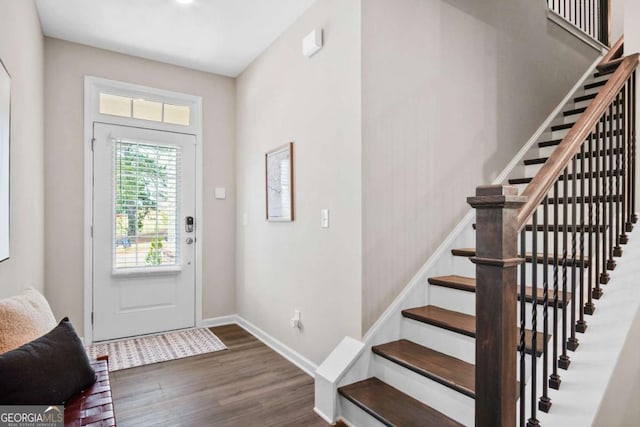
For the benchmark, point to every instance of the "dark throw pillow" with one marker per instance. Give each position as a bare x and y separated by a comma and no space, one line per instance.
46,371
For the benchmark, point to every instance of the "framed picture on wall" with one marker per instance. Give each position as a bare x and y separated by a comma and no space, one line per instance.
5,123
279,183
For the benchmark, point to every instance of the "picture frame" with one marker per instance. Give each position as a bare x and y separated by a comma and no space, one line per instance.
5,151
279,183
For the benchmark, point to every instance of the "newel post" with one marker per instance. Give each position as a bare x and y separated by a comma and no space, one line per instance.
496,301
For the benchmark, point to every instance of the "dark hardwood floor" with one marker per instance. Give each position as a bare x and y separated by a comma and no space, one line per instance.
247,385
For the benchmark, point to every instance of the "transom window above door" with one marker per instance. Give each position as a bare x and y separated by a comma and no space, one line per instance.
138,108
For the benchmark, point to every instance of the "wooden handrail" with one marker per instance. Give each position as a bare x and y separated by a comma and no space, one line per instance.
541,184
616,51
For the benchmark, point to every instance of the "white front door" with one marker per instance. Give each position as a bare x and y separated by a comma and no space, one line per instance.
143,231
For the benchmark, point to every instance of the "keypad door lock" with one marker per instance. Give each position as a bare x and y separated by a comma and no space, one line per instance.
188,224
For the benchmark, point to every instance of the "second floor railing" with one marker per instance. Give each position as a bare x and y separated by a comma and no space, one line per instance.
591,16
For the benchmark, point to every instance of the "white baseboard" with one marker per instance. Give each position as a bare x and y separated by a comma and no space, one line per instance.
218,321
288,353
323,416
283,350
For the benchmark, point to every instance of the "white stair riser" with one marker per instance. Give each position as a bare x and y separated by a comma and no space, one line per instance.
594,79
356,417
452,343
580,104
441,398
453,299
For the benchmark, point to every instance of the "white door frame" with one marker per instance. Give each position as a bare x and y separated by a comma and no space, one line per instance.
92,88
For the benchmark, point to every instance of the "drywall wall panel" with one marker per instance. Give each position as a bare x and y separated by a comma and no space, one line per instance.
22,52
451,89
314,103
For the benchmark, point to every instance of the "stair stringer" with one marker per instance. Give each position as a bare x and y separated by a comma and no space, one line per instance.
389,326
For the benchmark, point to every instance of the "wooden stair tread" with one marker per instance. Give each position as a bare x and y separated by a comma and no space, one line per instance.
587,155
579,228
549,143
570,176
562,126
584,97
551,228
442,368
609,67
454,281
579,199
392,407
455,321
574,111
464,324
471,252
595,84
468,284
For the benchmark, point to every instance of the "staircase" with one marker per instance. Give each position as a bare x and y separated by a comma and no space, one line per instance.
428,376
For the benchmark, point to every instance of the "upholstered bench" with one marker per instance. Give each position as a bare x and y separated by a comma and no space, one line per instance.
44,362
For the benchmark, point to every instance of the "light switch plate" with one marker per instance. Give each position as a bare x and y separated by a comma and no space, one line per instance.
221,193
324,218
312,43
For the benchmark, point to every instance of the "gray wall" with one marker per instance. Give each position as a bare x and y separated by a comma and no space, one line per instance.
66,64
617,19
21,50
315,103
451,89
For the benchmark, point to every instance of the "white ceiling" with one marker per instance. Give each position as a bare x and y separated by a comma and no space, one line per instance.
218,36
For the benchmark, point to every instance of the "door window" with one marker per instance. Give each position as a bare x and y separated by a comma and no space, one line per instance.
146,228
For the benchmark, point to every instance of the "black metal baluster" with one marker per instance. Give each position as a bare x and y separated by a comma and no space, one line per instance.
597,291
523,320
545,401
622,174
617,250
634,215
572,342
604,275
581,324
611,263
533,421
564,361
554,379
589,307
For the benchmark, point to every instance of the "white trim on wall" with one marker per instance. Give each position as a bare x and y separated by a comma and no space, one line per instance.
283,350
92,88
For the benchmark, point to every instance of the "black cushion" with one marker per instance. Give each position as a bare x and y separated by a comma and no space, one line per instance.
46,371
